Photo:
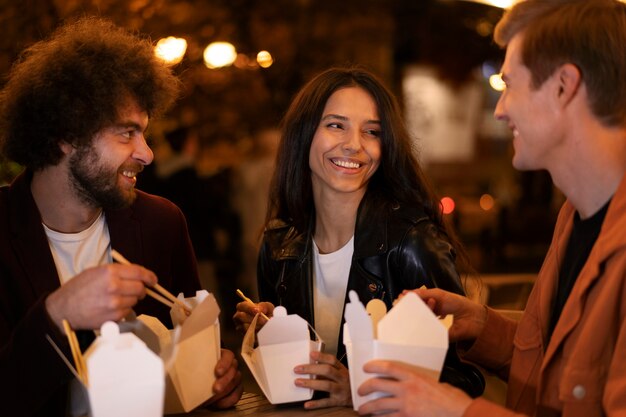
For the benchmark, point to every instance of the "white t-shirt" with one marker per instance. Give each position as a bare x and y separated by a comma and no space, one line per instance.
72,254
75,252
330,281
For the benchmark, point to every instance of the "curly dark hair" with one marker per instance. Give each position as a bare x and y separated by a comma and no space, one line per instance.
71,85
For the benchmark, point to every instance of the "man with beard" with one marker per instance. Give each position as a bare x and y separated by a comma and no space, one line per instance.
74,113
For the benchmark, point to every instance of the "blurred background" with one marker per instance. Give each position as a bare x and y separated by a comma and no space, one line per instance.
241,61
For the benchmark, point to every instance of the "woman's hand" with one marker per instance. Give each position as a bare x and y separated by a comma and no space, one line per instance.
246,312
330,376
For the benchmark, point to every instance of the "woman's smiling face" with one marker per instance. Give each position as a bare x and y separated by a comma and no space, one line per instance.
345,151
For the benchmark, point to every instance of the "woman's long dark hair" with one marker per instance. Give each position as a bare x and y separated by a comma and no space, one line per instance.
399,178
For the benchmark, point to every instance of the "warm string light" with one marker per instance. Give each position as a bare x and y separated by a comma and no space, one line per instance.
171,49
216,55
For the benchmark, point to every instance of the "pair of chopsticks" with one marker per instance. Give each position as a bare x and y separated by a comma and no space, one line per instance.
79,359
244,298
169,300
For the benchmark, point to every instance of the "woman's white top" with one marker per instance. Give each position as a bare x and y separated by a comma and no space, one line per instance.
330,280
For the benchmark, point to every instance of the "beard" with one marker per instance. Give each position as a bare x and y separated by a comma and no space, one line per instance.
95,183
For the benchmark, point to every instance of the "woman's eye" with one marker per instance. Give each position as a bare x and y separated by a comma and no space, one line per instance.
335,125
128,134
373,132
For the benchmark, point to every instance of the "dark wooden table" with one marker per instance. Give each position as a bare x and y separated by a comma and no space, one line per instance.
256,405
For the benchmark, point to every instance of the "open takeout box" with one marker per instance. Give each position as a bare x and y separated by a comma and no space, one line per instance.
409,332
283,342
190,351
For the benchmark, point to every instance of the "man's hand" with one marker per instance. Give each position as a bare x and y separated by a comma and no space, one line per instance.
99,294
411,393
469,317
228,385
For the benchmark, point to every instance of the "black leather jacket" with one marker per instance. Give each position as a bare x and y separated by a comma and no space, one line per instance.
395,248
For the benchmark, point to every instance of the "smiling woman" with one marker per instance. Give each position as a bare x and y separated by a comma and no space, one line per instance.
350,209
345,151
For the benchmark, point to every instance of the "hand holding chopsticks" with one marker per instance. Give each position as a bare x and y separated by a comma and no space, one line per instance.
243,297
169,299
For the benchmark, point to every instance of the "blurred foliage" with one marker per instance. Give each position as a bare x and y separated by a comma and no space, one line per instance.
8,171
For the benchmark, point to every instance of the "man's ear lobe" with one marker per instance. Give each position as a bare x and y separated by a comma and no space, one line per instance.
66,147
569,78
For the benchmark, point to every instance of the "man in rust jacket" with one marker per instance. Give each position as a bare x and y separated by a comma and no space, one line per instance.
74,112
565,102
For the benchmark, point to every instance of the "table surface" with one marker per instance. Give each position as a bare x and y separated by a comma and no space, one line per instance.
255,405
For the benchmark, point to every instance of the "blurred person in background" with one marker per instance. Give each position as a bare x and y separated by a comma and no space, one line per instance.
74,113
251,188
196,173
565,101
350,209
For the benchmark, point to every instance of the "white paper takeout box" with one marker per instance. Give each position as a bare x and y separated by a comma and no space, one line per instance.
283,343
409,332
190,351
125,377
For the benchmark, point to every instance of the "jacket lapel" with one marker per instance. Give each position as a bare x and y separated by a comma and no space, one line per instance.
29,238
609,240
125,233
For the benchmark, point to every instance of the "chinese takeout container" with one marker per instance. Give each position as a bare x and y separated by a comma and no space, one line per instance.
409,332
283,343
190,351
125,377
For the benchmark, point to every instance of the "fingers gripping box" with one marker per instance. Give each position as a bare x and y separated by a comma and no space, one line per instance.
409,332
283,343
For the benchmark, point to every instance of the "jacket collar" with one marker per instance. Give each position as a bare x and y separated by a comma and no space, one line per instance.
29,238
125,231
610,240
371,237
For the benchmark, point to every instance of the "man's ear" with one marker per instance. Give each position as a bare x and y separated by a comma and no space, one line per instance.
66,147
569,80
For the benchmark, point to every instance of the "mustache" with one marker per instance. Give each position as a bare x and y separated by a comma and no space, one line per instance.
135,167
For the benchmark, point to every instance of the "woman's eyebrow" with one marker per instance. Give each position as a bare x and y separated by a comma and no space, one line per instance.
337,116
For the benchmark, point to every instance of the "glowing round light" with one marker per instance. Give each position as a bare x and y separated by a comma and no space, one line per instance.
447,205
495,81
486,202
264,59
504,4
219,54
171,49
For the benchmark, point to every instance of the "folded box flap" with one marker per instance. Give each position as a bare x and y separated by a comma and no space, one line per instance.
358,321
251,359
149,329
411,322
283,328
205,313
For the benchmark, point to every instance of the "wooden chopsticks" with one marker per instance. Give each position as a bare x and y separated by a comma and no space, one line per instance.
244,298
169,300
79,359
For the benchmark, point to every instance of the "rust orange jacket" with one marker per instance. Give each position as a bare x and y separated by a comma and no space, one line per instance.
581,371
